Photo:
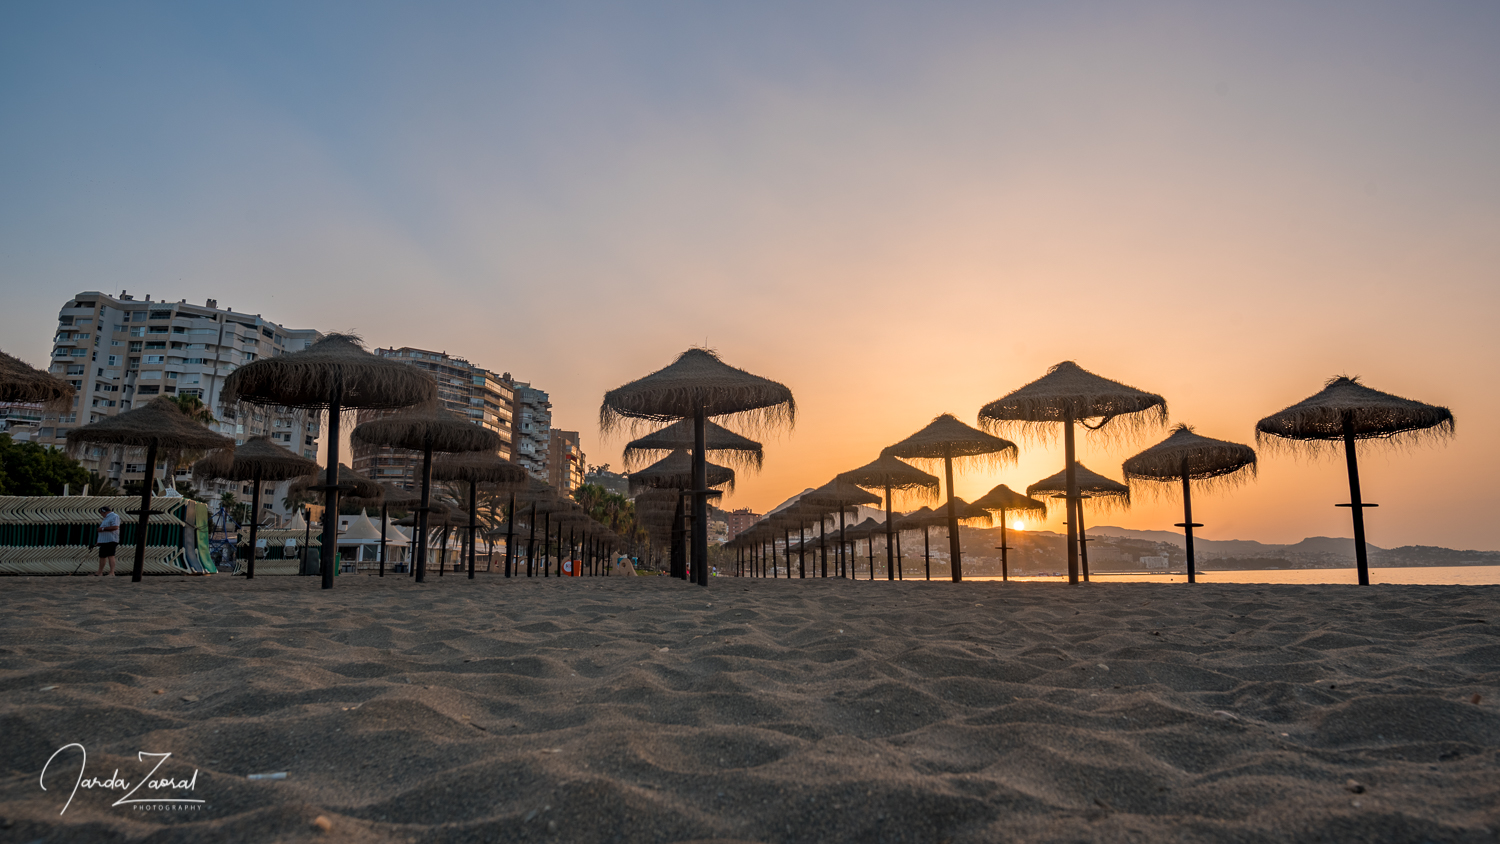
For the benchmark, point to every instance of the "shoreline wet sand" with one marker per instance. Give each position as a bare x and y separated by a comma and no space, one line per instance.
646,709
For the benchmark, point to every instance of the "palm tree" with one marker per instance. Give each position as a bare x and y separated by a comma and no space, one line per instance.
100,485
194,408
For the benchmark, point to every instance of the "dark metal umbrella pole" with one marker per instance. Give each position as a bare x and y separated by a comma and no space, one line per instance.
328,559
143,521
1356,503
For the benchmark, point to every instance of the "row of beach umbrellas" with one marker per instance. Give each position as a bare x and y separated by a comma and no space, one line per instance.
688,399
1067,397
335,375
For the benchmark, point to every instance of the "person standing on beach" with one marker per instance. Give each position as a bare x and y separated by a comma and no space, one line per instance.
108,539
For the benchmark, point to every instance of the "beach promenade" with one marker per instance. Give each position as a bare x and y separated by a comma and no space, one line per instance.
649,709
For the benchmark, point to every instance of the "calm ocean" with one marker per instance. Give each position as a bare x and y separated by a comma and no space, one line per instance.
1435,575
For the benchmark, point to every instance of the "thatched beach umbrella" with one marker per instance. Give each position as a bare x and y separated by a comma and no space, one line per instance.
334,374
947,439
24,384
844,497
426,429
867,531
258,460
675,471
1069,393
887,473
1104,493
390,496
722,443
159,428
475,468
1347,411
358,486
530,492
699,386
1002,499
1185,456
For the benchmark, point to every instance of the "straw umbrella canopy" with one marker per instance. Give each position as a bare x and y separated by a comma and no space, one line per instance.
475,468
161,429
258,460
678,471
725,445
360,488
699,386
1069,393
887,473
25,384
1104,493
427,429
334,374
1002,499
675,471
1186,456
1347,411
946,439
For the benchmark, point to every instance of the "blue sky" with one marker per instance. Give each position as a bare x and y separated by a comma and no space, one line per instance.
897,209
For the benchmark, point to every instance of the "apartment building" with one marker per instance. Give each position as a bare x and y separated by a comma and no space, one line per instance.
119,352
738,521
465,389
565,461
532,411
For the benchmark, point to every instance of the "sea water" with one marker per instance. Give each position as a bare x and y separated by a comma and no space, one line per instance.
1424,575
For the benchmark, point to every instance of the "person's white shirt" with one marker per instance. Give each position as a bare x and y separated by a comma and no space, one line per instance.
109,528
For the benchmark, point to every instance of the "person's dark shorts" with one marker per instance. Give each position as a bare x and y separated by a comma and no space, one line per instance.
107,549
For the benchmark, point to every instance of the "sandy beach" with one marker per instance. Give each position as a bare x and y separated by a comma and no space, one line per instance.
646,709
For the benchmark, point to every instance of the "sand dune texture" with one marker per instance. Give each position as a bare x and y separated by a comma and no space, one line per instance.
603,710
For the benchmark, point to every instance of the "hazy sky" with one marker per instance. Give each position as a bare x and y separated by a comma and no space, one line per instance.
897,209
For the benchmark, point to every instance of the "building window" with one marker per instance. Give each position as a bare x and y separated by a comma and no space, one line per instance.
148,391
156,358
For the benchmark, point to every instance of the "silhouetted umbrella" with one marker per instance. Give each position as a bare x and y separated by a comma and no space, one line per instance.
390,496
1069,393
1106,494
24,384
475,468
921,519
426,429
1347,411
718,440
841,495
887,473
258,460
1002,499
867,531
947,439
162,430
360,488
1185,456
334,374
675,471
699,386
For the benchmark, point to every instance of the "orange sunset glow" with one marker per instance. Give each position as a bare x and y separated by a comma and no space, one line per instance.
905,216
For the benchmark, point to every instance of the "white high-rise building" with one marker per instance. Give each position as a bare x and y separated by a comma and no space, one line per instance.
119,352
